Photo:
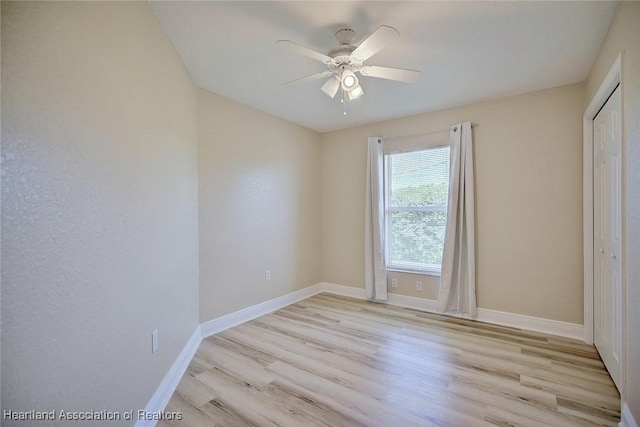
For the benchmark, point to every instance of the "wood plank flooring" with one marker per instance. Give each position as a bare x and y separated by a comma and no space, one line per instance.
337,361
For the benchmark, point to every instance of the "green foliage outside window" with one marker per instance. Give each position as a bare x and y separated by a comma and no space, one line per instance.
418,236
424,195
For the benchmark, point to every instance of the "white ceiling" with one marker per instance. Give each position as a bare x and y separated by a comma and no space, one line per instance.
467,52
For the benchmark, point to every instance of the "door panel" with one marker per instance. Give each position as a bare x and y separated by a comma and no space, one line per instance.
607,199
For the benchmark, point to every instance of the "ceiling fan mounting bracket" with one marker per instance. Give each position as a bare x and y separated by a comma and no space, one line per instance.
345,36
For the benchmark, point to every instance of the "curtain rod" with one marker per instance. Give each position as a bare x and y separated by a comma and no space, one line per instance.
390,138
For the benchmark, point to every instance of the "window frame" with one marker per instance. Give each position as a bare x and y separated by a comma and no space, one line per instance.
432,269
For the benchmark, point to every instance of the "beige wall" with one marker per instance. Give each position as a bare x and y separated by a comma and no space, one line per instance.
528,196
99,206
259,186
624,36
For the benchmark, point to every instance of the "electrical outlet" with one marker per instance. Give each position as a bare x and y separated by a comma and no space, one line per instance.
267,275
419,285
394,282
154,341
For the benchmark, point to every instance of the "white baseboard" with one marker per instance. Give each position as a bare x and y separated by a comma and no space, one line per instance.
220,324
414,303
531,323
514,320
347,291
627,417
165,390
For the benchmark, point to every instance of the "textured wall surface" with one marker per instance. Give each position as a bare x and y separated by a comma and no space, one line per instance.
624,36
528,201
259,186
99,206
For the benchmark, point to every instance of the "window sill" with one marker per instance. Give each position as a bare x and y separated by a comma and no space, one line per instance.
421,272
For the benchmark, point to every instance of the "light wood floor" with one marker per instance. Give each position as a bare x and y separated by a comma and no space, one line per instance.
337,361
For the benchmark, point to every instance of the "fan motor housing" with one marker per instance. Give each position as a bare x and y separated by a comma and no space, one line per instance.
341,52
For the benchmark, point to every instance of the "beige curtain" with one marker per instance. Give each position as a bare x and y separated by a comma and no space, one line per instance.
458,277
375,273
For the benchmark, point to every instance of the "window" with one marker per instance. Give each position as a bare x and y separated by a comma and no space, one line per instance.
417,186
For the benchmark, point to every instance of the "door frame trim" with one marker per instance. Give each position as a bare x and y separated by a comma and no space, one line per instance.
612,79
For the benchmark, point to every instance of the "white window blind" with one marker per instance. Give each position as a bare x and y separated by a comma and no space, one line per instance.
417,186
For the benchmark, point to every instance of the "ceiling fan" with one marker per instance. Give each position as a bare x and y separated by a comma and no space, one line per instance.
346,60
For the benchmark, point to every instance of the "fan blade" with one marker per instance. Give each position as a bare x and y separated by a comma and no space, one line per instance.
399,74
309,78
331,87
373,44
299,49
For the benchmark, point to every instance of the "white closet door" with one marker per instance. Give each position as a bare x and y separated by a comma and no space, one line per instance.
607,228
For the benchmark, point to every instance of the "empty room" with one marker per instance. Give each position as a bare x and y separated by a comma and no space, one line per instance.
341,213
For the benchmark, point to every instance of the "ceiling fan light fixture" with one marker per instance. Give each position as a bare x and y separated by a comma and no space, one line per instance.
355,93
349,80
331,86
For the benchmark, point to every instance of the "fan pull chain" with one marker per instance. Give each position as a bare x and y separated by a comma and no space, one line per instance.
344,104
